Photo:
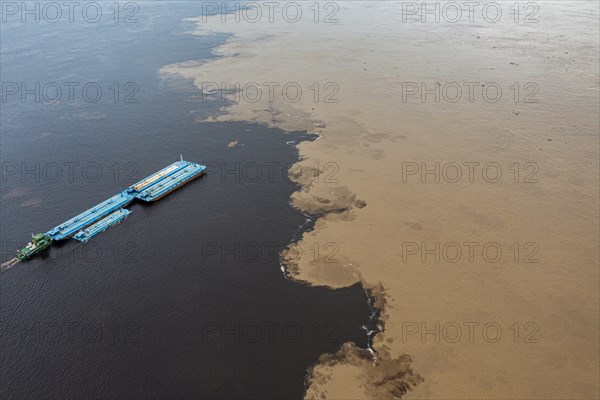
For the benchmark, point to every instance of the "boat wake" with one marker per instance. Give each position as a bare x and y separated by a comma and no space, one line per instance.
8,264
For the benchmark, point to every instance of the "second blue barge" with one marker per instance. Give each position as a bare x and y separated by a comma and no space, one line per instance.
102,225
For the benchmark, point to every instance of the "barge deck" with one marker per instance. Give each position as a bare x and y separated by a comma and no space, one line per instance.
96,219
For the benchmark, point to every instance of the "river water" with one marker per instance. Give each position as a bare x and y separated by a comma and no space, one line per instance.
184,299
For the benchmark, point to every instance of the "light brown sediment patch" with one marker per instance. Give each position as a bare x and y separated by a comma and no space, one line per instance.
89,116
16,192
371,133
364,374
34,202
385,377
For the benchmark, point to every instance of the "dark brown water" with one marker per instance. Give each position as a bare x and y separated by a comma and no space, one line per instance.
184,299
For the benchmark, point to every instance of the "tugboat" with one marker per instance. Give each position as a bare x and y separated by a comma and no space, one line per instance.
38,243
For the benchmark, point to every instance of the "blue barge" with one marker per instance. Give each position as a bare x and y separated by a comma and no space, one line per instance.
110,212
102,225
88,217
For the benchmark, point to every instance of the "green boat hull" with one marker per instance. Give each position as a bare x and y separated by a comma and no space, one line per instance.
37,244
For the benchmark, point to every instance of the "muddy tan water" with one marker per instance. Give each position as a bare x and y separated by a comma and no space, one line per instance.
520,324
